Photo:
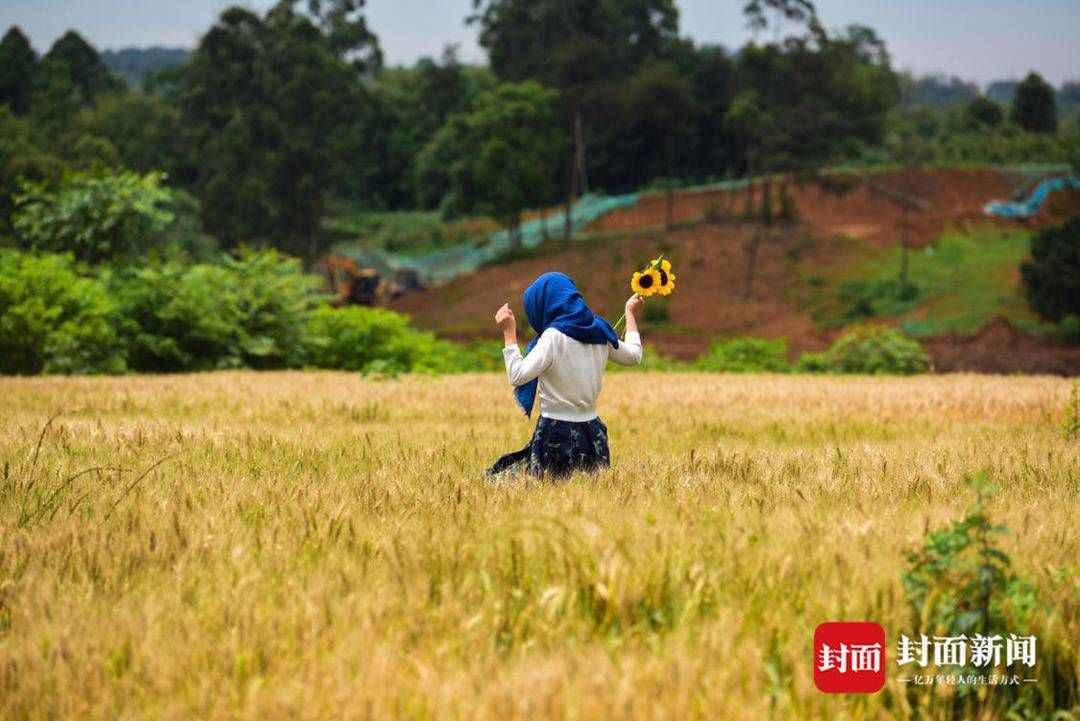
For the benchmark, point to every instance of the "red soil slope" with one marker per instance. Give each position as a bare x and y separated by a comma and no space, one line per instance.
866,211
711,264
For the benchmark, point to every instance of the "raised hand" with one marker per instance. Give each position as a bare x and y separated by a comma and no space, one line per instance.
504,318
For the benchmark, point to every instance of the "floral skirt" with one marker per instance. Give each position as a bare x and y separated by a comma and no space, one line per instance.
557,449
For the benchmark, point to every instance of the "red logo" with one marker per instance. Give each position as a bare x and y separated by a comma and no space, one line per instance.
849,657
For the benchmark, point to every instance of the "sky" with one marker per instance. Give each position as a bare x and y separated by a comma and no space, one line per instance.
980,40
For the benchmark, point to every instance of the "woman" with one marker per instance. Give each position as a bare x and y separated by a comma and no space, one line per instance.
565,363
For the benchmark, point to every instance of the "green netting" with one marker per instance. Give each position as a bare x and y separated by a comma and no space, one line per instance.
452,262
448,264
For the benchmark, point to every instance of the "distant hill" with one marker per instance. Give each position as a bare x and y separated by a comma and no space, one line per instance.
1002,90
935,91
134,64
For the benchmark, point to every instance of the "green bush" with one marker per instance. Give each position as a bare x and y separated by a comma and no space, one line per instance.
95,216
863,299
54,321
961,583
870,349
1052,276
250,311
746,355
257,310
375,340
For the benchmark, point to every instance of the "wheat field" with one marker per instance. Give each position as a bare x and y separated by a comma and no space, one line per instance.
322,546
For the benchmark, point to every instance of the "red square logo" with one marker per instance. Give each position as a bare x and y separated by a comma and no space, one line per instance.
849,657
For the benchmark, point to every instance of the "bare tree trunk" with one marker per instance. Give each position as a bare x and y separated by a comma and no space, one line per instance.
568,223
766,200
579,151
904,251
751,261
669,215
748,213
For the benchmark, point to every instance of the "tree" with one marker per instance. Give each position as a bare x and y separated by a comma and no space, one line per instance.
580,47
53,319
499,158
1052,276
807,101
982,112
267,99
21,157
757,12
405,108
935,91
89,76
17,65
1068,99
345,29
1034,108
147,133
712,72
71,76
661,100
94,217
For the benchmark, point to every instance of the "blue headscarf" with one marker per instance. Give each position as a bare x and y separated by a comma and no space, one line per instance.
553,301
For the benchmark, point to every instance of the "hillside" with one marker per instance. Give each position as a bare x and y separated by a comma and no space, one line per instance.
135,64
801,267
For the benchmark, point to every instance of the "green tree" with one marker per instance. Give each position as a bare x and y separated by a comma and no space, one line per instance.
795,11
407,106
95,217
807,101
580,47
246,311
1034,108
661,99
146,132
90,78
267,100
70,76
18,63
498,159
982,112
1052,276
53,319
21,157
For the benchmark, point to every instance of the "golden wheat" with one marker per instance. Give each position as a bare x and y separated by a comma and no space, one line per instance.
322,546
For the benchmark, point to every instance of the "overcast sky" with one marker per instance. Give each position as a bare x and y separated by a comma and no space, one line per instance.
979,40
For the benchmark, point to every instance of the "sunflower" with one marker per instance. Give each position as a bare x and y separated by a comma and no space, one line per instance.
667,278
646,282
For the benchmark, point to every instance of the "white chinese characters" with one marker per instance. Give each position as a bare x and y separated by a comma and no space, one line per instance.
959,650
856,657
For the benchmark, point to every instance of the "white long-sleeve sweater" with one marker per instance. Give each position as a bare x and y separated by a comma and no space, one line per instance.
570,371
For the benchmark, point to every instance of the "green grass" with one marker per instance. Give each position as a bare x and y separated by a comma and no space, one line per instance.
407,232
962,281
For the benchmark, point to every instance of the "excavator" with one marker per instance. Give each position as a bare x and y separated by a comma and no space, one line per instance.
354,285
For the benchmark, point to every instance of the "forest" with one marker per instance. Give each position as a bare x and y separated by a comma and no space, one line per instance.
277,125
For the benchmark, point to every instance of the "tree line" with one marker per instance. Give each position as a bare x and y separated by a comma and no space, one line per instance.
274,115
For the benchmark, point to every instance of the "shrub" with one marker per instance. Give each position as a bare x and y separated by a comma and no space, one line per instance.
52,320
870,349
375,340
960,583
1052,277
96,217
746,355
862,299
250,311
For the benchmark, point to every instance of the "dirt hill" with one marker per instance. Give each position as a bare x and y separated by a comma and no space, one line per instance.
710,264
